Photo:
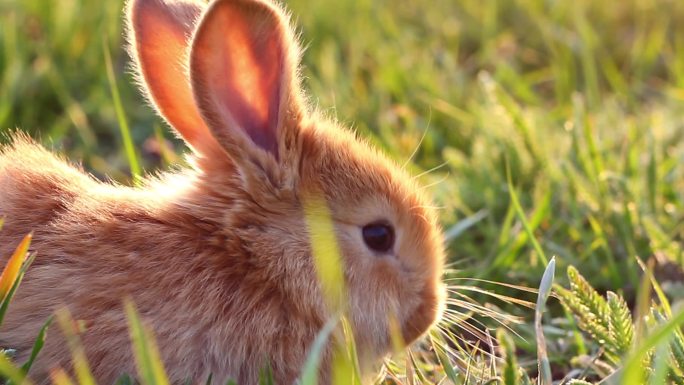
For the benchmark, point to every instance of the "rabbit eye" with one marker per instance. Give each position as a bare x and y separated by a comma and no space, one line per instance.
378,237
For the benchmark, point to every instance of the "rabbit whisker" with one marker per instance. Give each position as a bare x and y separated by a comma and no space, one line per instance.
508,285
420,142
504,298
431,170
435,183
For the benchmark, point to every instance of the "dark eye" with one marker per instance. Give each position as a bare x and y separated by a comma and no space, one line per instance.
378,237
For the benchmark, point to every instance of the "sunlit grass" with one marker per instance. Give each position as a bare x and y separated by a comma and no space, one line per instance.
326,252
540,127
10,274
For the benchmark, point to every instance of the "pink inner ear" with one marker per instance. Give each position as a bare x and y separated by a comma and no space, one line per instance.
161,33
242,60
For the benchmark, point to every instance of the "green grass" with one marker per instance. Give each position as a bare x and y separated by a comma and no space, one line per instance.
580,103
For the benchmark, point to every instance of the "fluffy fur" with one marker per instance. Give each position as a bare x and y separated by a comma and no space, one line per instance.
217,256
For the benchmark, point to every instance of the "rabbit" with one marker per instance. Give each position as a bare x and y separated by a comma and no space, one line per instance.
216,255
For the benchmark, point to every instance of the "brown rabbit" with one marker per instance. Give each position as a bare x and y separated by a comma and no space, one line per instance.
217,256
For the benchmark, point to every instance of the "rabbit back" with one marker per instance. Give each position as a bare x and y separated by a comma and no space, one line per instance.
98,243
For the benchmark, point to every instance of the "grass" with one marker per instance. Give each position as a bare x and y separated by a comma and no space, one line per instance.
540,127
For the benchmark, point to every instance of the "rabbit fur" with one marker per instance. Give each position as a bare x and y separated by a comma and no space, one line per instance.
216,255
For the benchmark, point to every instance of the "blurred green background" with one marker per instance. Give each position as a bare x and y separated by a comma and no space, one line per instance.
584,100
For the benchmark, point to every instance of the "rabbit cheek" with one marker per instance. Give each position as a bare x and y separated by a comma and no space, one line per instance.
376,298
425,314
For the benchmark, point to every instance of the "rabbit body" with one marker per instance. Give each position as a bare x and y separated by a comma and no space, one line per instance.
210,304
217,256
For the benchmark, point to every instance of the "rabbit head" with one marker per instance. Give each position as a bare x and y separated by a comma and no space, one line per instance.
225,77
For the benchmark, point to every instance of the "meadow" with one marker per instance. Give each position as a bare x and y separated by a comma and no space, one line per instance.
541,128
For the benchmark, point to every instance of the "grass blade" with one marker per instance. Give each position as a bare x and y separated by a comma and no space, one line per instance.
11,272
325,250
11,372
9,275
310,372
147,359
60,377
521,215
37,346
633,370
544,291
121,116
349,370
442,357
69,329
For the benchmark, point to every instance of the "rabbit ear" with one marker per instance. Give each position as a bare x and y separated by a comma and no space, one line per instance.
243,73
159,34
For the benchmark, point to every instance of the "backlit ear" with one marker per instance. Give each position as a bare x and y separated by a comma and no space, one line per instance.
159,35
243,73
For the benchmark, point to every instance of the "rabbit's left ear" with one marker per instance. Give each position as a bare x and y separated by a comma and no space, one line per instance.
159,33
243,65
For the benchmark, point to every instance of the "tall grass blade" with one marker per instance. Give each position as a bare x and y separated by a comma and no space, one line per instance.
70,330
13,374
345,364
37,346
521,215
510,369
121,116
325,250
660,363
438,346
147,359
10,274
311,366
544,291
266,375
416,368
60,377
